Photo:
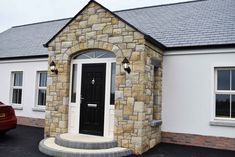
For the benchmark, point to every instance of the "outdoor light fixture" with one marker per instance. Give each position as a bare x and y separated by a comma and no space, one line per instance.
53,67
126,65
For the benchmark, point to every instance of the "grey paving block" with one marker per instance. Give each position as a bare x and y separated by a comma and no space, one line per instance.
52,150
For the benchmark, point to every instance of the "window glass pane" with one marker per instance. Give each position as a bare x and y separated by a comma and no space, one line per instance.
42,97
42,79
16,96
82,56
233,79
223,79
233,106
112,90
90,54
74,83
222,105
18,78
108,55
86,55
98,53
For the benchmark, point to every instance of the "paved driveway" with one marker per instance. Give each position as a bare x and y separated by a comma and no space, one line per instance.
23,142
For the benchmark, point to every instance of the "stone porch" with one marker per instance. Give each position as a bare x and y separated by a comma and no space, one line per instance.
138,94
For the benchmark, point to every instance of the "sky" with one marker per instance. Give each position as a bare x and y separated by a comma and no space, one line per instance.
20,12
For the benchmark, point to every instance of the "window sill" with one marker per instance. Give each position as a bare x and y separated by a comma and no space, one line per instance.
39,109
17,107
228,123
156,123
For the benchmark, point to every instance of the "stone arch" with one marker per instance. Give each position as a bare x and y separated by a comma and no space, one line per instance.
74,50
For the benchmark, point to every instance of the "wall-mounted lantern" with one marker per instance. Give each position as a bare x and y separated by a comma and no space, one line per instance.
53,67
126,65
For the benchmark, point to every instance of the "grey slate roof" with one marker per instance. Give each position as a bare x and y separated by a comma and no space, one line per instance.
210,22
28,40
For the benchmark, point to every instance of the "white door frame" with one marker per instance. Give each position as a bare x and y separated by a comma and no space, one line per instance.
74,108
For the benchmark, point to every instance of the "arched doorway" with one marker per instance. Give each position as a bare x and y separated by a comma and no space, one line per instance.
92,89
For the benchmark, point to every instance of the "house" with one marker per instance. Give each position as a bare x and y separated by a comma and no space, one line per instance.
140,76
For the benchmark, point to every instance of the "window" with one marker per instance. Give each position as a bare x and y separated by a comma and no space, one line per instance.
41,89
74,84
95,54
225,93
17,81
112,86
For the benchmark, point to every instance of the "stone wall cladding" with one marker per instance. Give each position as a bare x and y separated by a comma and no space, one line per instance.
199,140
96,28
28,121
153,94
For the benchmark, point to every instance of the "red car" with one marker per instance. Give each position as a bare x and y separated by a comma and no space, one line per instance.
7,118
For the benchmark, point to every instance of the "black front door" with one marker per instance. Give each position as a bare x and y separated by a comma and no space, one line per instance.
92,99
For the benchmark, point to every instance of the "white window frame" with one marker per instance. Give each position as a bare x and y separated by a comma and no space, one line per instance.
38,107
221,121
14,105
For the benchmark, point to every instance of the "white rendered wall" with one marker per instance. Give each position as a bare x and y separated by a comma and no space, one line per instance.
188,84
29,68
